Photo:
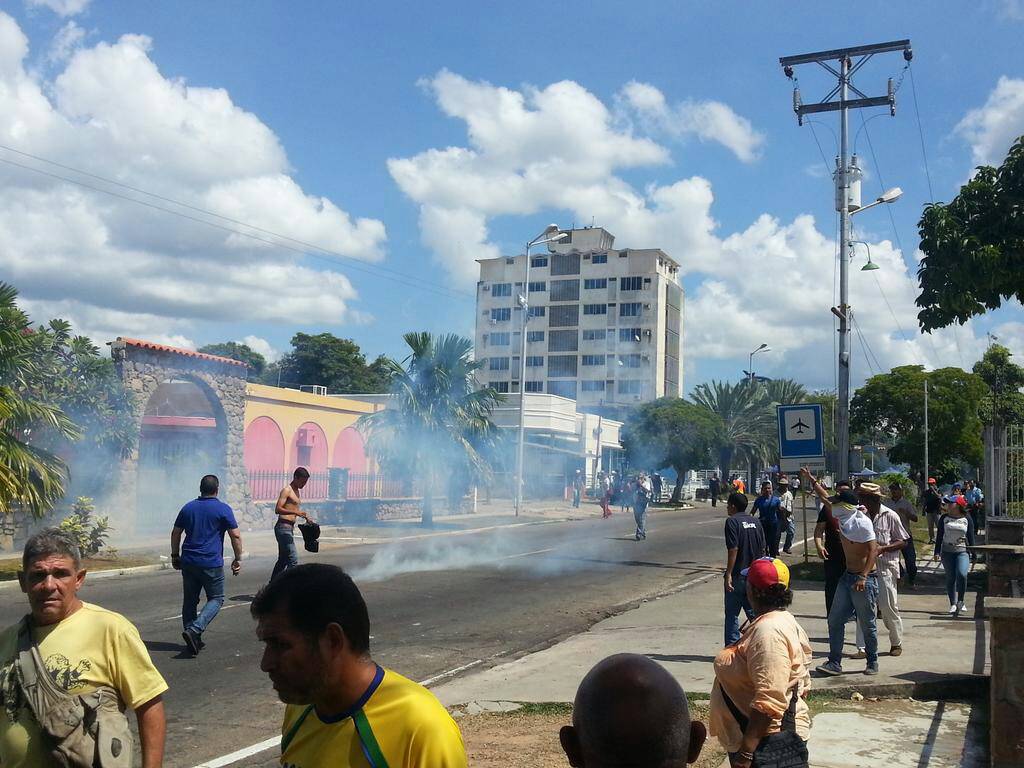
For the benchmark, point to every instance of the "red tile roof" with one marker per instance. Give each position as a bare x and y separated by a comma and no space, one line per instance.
178,351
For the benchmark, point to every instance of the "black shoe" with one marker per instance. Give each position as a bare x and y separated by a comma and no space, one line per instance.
192,640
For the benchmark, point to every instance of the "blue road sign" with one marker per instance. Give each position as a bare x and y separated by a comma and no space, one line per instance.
800,431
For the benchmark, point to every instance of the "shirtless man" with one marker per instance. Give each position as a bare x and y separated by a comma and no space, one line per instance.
857,590
288,508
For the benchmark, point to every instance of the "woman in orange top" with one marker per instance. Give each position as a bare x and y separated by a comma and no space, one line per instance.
761,682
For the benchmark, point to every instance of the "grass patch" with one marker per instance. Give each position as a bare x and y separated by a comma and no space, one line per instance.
544,708
9,567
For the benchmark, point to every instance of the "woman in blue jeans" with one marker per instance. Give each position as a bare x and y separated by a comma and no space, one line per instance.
956,534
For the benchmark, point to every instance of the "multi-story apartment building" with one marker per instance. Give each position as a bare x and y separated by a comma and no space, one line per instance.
605,326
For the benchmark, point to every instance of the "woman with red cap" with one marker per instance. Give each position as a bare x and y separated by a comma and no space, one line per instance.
956,534
758,707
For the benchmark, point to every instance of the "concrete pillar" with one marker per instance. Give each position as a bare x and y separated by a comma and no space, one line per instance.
1007,685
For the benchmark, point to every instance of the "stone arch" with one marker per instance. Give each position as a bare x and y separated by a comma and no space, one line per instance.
309,447
264,446
350,452
144,368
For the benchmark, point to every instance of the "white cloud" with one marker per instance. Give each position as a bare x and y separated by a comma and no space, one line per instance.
264,347
992,128
707,120
60,7
65,42
1013,10
111,112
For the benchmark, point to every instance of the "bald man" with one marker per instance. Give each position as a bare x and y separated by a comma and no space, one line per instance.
629,711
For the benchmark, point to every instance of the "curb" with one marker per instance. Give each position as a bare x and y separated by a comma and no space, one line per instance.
950,687
104,574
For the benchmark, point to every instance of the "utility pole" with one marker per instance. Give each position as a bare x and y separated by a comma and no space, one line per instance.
847,193
926,471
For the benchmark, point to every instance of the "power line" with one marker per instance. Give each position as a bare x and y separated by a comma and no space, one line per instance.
867,347
323,254
920,133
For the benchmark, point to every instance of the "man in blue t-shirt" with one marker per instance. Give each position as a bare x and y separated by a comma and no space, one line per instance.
204,522
766,506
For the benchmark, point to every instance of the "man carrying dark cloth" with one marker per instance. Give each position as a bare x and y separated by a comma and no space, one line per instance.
288,508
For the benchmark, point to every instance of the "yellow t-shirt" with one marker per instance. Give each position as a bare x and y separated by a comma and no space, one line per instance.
90,648
409,724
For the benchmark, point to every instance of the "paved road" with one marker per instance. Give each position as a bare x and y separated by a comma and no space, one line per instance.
464,601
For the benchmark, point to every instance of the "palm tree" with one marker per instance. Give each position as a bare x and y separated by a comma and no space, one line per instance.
438,424
30,478
740,407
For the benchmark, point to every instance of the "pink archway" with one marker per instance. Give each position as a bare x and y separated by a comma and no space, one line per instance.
309,448
350,452
263,449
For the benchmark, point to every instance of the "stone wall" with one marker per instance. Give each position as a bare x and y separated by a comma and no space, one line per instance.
143,370
1007,691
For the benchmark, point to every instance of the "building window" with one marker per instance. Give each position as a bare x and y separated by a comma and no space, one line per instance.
534,361
535,335
629,334
563,315
535,386
593,360
537,311
536,262
630,361
562,389
501,289
501,339
565,264
594,334
631,283
563,341
500,386
538,287
629,386
501,314
629,309
561,366
498,364
592,386
595,309
600,258
565,290
595,283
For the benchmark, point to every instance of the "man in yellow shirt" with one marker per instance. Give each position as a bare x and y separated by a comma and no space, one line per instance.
343,709
83,647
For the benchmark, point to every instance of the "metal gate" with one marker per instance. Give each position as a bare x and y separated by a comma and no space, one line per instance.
1004,471
169,469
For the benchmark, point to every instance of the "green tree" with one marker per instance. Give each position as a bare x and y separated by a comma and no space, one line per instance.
1004,404
31,478
335,363
671,432
892,405
438,423
827,400
744,419
972,246
243,353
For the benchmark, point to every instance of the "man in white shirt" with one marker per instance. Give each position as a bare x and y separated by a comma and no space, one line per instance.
786,510
892,538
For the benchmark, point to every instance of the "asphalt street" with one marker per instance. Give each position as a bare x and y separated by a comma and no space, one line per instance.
439,606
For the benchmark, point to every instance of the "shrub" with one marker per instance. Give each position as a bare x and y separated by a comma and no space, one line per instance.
90,534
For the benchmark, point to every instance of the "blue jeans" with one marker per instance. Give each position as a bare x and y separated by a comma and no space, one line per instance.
790,533
575,497
209,580
846,601
956,565
287,555
736,601
640,515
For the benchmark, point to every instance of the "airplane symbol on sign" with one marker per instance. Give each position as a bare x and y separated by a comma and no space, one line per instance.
800,427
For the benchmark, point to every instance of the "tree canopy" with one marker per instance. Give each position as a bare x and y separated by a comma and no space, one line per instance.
892,404
1005,379
974,246
335,363
243,353
671,432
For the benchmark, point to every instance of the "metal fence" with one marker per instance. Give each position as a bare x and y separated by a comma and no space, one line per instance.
1004,471
265,485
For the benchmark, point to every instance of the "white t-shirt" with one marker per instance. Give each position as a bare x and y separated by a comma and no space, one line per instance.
904,509
786,501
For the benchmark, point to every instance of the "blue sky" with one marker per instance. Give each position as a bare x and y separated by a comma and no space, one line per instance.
668,123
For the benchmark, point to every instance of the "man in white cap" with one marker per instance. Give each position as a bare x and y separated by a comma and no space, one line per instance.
857,591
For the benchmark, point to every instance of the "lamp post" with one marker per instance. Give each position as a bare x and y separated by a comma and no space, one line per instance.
750,360
549,235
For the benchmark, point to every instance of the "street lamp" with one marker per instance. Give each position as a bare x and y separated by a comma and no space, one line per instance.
750,360
889,196
550,234
870,266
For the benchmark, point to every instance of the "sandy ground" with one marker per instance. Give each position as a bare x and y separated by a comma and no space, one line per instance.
530,739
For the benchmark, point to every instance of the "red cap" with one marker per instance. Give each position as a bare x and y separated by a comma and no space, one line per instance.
765,572
931,480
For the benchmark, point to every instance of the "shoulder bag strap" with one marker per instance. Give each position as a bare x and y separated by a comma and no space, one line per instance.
789,719
738,716
371,749
288,737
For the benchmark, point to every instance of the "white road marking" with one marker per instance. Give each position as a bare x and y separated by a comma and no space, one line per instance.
450,672
223,608
527,554
241,754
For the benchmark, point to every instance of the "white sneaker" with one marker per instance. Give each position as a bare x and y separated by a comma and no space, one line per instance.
952,610
961,607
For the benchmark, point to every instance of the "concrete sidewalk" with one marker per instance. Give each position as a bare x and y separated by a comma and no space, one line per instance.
943,658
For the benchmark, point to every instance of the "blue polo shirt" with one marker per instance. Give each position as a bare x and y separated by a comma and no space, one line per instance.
205,521
768,508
